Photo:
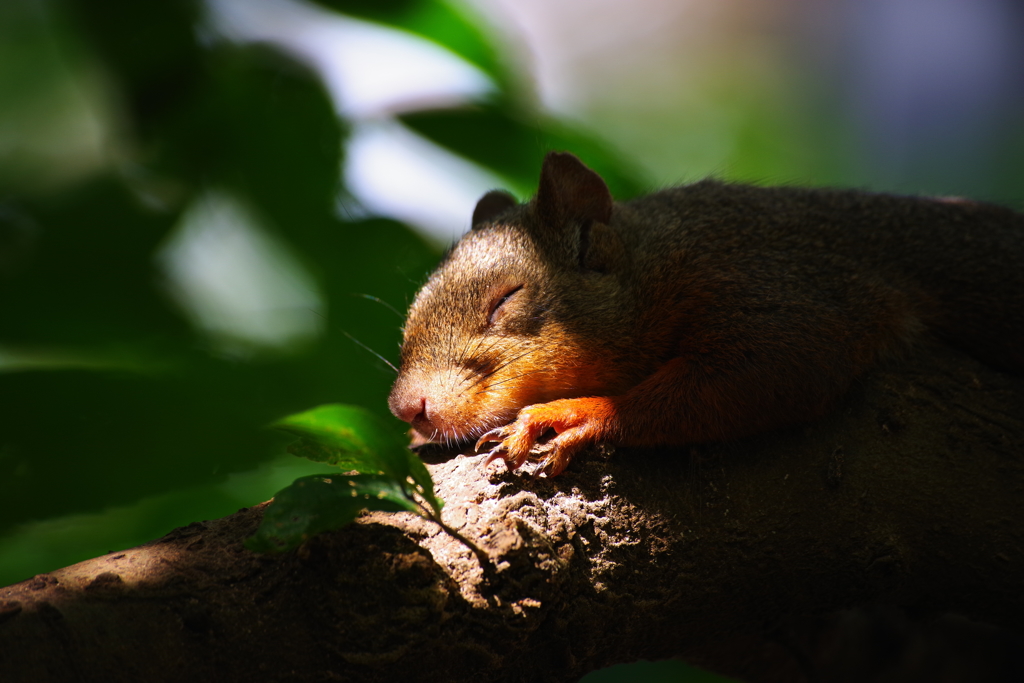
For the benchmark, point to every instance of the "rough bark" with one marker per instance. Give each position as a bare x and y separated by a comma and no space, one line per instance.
745,558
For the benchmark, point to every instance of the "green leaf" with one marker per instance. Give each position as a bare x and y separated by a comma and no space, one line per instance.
354,439
424,484
349,437
324,502
445,23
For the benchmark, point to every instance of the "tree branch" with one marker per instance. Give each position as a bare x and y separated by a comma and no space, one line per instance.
740,557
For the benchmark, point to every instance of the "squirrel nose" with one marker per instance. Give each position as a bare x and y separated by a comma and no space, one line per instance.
414,412
409,408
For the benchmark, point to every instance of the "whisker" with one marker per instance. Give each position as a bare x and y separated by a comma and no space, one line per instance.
509,379
370,350
504,365
383,303
466,352
506,362
480,354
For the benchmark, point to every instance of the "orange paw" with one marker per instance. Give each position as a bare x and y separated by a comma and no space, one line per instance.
579,422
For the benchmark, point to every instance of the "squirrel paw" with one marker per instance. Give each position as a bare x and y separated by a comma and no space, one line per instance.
577,422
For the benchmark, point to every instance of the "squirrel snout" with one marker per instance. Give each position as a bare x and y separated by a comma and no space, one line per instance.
411,407
408,407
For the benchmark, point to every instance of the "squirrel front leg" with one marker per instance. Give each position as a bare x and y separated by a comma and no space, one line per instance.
579,422
682,402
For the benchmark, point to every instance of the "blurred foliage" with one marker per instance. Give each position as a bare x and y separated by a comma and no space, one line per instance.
437,20
121,418
145,409
514,142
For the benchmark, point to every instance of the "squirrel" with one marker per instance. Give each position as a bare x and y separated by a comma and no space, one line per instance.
705,312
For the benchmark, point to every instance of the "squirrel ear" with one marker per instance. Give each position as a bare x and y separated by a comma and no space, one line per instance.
568,190
490,205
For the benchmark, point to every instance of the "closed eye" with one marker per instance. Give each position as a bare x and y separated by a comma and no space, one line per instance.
500,303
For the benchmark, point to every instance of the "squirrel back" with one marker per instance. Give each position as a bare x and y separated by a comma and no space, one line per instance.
703,312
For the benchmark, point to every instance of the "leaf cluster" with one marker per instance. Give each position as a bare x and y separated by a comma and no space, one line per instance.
378,472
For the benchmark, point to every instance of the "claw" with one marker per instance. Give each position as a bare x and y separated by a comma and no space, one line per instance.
553,465
495,454
543,465
495,435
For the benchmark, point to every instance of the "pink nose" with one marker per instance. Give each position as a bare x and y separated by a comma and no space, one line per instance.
414,412
408,407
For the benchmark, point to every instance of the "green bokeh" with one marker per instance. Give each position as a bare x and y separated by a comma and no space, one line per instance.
121,420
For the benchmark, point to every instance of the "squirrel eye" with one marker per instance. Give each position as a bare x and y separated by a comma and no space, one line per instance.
496,308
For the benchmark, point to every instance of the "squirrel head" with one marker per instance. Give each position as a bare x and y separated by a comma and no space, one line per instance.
518,310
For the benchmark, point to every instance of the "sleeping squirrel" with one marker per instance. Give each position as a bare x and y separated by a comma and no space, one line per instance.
699,313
